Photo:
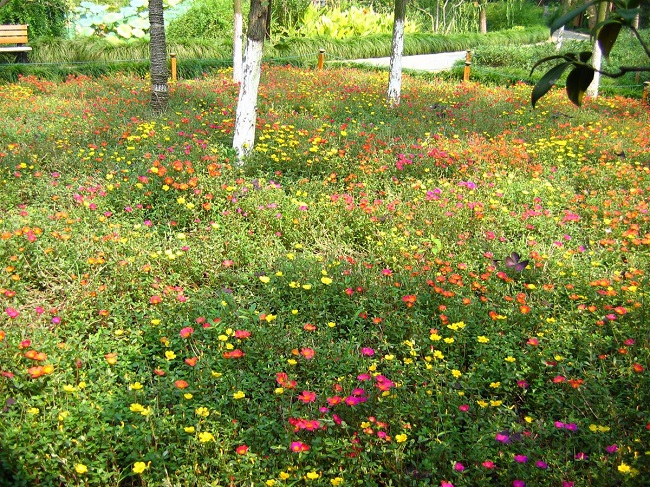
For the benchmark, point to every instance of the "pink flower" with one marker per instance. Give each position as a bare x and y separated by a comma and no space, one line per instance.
12,313
459,467
186,332
368,352
299,447
489,464
521,458
242,334
463,407
307,353
518,483
611,448
444,483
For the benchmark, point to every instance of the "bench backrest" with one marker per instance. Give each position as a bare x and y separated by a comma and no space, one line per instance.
13,34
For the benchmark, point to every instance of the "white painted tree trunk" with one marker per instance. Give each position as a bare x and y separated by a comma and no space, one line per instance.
395,74
244,136
596,62
237,42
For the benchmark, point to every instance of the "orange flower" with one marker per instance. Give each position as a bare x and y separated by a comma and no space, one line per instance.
181,384
111,358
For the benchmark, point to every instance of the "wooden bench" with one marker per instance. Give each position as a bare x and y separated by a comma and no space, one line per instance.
14,34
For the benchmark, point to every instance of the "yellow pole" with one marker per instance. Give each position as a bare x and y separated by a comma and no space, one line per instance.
174,76
468,63
321,58
646,89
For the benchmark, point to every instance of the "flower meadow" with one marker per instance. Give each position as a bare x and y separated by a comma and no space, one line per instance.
453,292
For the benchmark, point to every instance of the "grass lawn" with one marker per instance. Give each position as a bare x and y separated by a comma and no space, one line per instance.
452,292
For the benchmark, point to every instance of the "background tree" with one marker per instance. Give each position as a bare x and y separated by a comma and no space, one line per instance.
597,53
395,74
623,14
246,115
158,52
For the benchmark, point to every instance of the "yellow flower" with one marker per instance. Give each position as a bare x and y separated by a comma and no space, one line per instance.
206,436
239,395
495,385
483,339
284,475
279,390
336,481
202,411
401,438
456,373
169,355
146,411
449,340
136,408
189,429
265,279
136,386
624,468
270,482
68,388
216,375
434,337
510,359
81,469
139,467
438,354
292,361
389,356
496,404
313,475
528,419
187,395
326,280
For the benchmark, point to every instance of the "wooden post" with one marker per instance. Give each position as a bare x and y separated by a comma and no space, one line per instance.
468,63
174,74
646,92
321,58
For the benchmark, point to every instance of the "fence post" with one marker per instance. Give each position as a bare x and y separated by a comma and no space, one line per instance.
174,74
321,58
468,63
646,90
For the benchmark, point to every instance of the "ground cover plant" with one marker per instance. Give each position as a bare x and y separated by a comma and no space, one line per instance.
452,292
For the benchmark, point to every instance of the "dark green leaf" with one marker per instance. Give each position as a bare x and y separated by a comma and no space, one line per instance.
549,58
569,16
577,83
607,37
627,13
585,56
546,83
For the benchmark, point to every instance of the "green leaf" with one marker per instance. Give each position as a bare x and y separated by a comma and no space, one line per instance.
546,59
607,37
577,83
569,16
585,56
546,83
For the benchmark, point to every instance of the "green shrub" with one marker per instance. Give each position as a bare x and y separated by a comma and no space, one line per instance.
208,19
45,17
505,15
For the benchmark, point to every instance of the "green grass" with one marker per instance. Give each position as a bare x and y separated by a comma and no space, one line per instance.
347,309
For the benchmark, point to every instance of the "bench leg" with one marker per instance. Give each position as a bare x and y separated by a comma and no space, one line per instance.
21,57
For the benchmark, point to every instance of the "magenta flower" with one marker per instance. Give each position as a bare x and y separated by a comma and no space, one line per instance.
521,458
459,467
444,483
518,483
581,456
299,447
464,408
489,464
502,437
541,464
611,448
368,352
186,332
12,313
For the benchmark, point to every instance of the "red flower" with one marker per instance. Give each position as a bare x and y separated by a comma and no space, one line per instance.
181,384
638,368
242,334
242,449
155,300
191,361
307,396
236,353
409,300
307,353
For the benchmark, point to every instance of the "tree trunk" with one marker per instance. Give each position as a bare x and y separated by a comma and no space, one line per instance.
395,76
482,18
237,42
245,118
158,52
597,54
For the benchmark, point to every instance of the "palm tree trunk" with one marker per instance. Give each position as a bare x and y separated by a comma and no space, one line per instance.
597,53
395,74
158,52
246,115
